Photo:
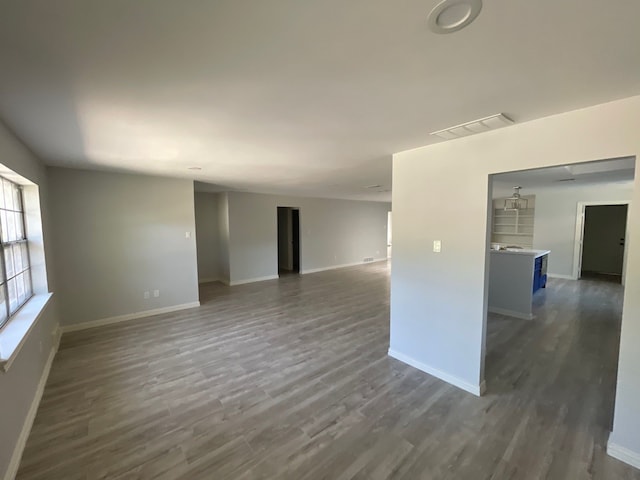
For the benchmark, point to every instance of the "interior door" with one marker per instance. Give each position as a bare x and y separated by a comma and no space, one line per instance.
604,239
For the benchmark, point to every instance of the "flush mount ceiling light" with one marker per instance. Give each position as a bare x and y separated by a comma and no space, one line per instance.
452,15
515,201
475,126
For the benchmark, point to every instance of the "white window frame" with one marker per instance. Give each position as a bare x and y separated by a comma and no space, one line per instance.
11,311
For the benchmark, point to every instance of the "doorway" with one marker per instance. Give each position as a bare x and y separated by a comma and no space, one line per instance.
389,234
288,240
533,213
603,242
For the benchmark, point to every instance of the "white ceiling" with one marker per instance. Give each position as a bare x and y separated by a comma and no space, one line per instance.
619,170
290,96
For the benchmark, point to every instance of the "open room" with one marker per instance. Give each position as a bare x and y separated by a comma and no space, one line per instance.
305,240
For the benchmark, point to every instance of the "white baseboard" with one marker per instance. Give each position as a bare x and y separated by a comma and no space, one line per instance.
561,276
623,454
477,390
208,280
511,313
16,457
127,317
251,280
344,265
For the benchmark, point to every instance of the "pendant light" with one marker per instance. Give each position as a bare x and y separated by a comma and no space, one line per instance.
516,202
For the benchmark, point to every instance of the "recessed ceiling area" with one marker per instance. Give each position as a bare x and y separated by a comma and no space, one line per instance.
290,97
618,170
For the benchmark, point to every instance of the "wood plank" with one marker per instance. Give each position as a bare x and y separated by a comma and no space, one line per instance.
289,379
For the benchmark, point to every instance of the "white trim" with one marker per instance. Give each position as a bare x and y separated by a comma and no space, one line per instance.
14,463
208,280
623,454
251,280
127,317
577,243
344,265
561,276
18,328
511,313
477,390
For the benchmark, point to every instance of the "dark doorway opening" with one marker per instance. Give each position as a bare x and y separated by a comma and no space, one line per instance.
603,242
288,240
295,240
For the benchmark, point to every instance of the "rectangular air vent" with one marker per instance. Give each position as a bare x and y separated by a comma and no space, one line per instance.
367,259
475,126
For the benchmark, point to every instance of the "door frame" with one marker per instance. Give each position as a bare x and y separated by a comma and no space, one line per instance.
579,236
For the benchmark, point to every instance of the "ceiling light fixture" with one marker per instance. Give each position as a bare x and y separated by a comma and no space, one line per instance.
515,201
475,126
194,168
450,16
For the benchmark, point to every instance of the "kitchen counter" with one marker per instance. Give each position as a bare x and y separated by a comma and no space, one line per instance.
524,251
514,277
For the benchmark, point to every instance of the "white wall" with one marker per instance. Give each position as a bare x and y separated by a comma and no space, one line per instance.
116,236
18,386
207,236
332,233
438,300
224,238
555,219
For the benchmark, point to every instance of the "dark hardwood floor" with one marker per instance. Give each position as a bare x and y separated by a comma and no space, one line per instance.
289,379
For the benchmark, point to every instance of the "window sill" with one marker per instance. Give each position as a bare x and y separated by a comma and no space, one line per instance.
15,332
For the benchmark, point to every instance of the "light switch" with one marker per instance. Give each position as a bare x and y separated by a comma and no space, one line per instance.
437,246
187,234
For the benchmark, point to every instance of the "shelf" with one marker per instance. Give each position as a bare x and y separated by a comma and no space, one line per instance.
514,234
514,227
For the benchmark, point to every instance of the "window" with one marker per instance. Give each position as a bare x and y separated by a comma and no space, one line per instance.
15,271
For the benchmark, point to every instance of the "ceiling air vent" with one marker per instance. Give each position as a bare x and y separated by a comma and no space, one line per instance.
475,126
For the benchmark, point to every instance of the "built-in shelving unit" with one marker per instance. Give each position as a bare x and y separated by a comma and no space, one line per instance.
513,227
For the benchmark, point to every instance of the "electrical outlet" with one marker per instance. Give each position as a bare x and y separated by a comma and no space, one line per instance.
437,246
146,295
156,293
